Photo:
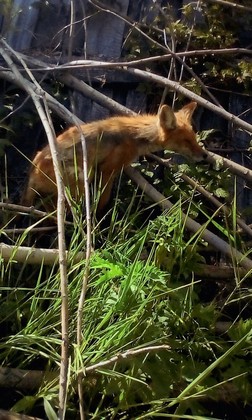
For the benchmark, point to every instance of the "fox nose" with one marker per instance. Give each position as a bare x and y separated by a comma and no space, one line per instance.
201,157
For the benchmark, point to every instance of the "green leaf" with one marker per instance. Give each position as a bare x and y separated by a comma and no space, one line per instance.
220,192
25,404
51,415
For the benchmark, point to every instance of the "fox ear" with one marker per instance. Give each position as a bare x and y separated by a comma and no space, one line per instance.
167,119
188,110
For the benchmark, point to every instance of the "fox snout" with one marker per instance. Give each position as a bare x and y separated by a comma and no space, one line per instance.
199,157
191,151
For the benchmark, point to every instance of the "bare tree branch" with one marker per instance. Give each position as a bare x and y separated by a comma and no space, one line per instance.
154,78
46,121
234,167
23,209
222,207
10,415
230,4
50,257
190,224
34,256
93,94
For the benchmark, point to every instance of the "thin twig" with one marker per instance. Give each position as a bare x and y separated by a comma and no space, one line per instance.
87,269
89,64
31,211
16,231
88,235
125,356
71,29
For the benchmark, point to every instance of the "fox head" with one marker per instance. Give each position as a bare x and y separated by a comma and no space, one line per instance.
177,132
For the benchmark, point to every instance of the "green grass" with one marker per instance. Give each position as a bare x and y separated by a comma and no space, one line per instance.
142,292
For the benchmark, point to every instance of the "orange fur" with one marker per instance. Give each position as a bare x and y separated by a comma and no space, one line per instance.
112,144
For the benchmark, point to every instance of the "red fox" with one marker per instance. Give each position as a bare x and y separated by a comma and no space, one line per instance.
112,144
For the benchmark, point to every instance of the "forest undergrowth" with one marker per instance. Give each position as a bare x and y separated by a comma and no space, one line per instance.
159,339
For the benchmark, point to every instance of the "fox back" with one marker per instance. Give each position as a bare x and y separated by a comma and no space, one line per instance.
112,144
